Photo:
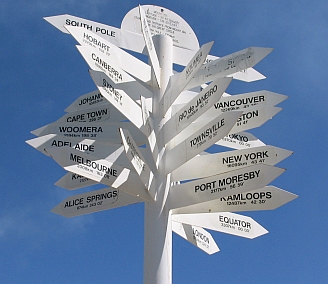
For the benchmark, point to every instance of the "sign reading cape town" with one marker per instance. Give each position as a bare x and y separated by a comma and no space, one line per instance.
146,130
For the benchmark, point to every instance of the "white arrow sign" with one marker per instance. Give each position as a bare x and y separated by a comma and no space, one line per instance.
247,75
150,46
179,81
100,62
126,61
138,161
214,187
94,201
195,108
200,140
241,140
110,152
266,198
102,131
120,37
99,170
228,65
118,98
72,181
89,100
224,222
213,164
197,236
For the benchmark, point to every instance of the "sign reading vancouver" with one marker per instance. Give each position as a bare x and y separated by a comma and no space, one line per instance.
146,133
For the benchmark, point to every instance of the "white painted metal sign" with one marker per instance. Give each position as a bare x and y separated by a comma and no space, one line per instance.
241,140
179,81
200,140
266,198
94,201
162,21
214,187
104,131
118,98
213,164
195,108
72,181
138,161
99,170
228,65
89,100
224,222
126,61
197,236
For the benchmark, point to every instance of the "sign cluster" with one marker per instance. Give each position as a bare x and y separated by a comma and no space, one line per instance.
102,136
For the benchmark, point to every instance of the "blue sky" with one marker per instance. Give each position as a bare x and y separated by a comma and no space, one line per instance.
42,73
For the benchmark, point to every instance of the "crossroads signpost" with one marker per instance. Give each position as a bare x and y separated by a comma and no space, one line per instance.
185,189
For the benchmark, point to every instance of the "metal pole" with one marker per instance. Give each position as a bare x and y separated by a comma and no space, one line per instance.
158,231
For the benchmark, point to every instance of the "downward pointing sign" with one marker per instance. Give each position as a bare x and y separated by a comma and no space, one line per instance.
224,222
197,236
138,161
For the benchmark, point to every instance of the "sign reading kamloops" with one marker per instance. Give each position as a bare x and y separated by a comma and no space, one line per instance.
221,185
197,236
266,198
212,164
200,140
224,222
94,201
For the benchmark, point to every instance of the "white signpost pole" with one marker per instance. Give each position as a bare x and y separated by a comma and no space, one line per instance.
158,225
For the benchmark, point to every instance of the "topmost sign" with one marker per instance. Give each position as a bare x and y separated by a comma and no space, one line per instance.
162,21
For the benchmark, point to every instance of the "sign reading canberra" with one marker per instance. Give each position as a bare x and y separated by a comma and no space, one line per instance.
146,134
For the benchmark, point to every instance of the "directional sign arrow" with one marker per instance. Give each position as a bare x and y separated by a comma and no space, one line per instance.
214,187
241,140
110,152
99,170
126,61
266,198
213,164
179,81
72,181
118,98
197,236
200,140
244,101
119,37
247,75
89,100
138,161
102,131
150,46
94,201
224,222
195,108
100,62
228,65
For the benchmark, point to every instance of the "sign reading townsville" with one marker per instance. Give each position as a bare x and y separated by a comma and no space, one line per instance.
143,131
